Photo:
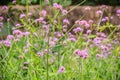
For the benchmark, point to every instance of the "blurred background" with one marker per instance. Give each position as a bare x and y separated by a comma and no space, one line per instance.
64,2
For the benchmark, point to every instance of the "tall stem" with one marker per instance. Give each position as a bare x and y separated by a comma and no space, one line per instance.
47,56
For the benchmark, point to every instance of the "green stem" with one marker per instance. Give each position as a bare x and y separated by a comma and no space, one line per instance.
40,5
47,56
27,7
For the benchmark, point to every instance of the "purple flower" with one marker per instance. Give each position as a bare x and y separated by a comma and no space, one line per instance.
28,45
73,39
99,56
22,15
83,23
81,53
14,1
76,52
99,12
87,8
18,25
58,34
77,22
45,27
55,21
71,35
118,11
57,6
26,50
39,19
103,20
88,31
55,39
10,37
61,69
29,14
104,48
36,45
8,19
20,57
56,53
64,12
26,33
43,13
64,28
46,1
118,15
51,43
90,21
1,18
7,43
111,17
87,25
25,63
109,45
103,7
40,54
25,67
97,41
77,29
17,32
66,21
102,35
4,8
107,18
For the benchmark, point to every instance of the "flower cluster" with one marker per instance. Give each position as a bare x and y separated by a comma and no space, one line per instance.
118,12
59,7
81,53
61,69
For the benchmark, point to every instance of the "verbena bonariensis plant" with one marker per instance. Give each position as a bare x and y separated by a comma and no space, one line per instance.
50,49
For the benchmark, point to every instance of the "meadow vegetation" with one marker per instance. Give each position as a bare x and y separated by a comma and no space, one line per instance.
48,48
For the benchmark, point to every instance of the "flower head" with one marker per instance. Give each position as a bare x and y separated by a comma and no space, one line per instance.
81,53
118,11
17,25
43,13
7,43
4,7
66,21
57,6
22,15
87,8
99,12
10,37
64,12
61,69
26,33
17,32
14,1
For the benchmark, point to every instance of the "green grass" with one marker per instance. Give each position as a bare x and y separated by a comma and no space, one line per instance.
46,66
